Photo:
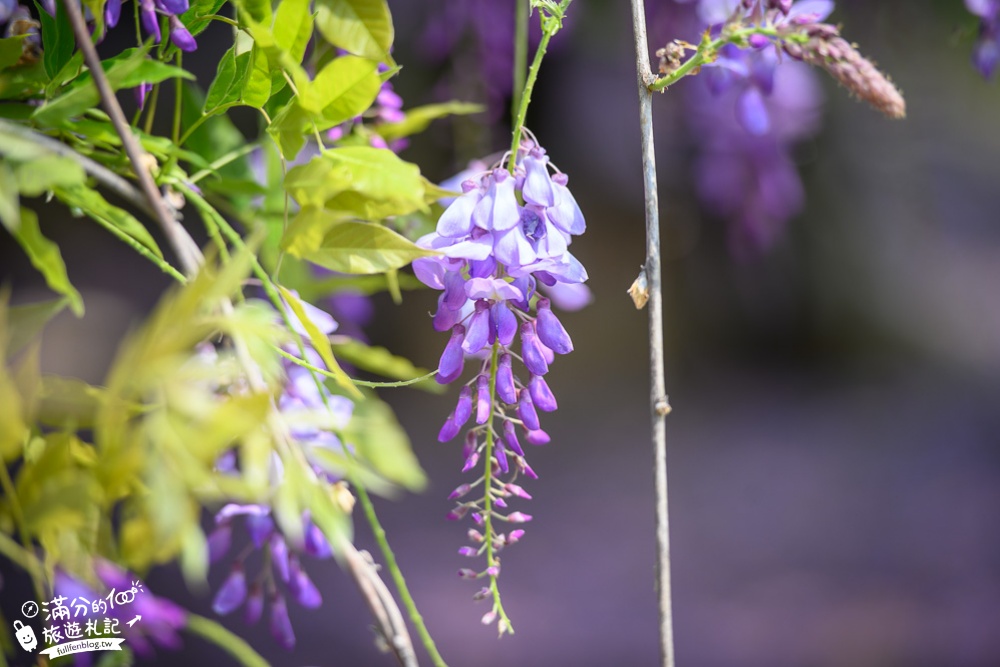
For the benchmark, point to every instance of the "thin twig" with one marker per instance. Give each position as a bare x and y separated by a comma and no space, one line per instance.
657,396
98,171
391,625
187,250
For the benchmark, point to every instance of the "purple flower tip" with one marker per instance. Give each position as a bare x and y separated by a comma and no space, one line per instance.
531,350
538,437
255,605
181,37
515,536
449,429
505,380
281,625
452,359
518,517
303,589
460,491
466,573
467,551
551,331
232,593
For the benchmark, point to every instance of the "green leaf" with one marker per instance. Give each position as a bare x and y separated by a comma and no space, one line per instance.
319,342
68,402
316,181
92,203
45,256
381,361
196,18
287,129
362,27
343,89
243,78
12,426
370,183
358,247
58,42
11,49
26,322
419,118
10,206
47,172
383,444
306,231
293,26
258,10
128,69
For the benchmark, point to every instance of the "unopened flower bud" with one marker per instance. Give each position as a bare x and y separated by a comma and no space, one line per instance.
537,437
526,411
518,517
467,551
459,491
466,573
452,359
510,438
483,403
531,350
457,513
505,380
515,536
489,617
541,395
516,490
551,331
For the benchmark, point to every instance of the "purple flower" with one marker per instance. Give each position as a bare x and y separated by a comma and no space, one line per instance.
232,593
505,234
180,36
281,625
986,52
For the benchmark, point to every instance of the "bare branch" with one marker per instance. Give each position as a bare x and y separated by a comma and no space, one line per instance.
657,394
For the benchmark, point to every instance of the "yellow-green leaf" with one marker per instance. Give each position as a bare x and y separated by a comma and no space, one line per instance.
362,248
362,27
320,343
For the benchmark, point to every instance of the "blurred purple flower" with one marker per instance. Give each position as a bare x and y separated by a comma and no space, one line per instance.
986,52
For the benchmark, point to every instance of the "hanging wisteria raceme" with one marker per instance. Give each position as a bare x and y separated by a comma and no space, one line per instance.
313,415
757,98
986,52
507,233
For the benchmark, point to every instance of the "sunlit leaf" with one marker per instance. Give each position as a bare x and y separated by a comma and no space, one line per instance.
358,247
418,119
361,27
381,443
319,342
25,322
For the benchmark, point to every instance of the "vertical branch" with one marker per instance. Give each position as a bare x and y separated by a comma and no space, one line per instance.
187,250
520,53
657,394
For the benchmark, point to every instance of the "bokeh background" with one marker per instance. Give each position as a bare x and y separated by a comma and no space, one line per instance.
834,449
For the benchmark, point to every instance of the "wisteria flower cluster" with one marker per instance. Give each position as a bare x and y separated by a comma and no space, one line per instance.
508,233
757,98
313,413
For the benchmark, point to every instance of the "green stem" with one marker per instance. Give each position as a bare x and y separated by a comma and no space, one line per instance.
231,643
526,97
194,126
491,559
229,157
520,52
707,52
178,97
315,369
397,576
153,98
